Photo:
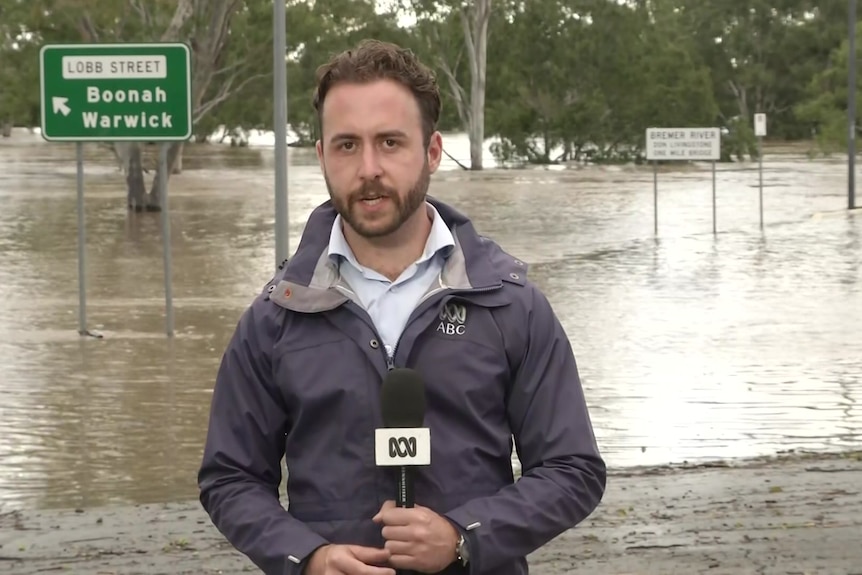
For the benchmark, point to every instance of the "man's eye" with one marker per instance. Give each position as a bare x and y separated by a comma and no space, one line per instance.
390,143
347,146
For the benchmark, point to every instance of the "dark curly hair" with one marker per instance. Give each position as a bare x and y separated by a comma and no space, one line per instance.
374,60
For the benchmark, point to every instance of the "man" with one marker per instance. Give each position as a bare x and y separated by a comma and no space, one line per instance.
387,277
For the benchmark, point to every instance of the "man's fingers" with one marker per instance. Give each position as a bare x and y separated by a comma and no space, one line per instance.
359,560
370,555
372,570
397,533
398,548
402,561
396,516
387,505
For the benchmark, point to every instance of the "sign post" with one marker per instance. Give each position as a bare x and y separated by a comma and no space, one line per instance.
82,238
279,117
852,23
682,144
655,197
111,93
759,132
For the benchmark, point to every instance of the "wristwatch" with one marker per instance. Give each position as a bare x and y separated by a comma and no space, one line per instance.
462,551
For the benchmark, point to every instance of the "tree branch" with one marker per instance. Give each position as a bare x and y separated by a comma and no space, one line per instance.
143,12
230,67
120,23
468,37
224,93
183,13
458,93
87,28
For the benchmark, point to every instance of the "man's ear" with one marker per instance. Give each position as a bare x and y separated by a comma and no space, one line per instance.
435,151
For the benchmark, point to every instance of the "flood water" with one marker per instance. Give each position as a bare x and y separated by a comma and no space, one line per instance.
691,345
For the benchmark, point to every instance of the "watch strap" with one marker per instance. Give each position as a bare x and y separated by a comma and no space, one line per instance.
461,550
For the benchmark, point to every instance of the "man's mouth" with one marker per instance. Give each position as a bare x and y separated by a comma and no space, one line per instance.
373,200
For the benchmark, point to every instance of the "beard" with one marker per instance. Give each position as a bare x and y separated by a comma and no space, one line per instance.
387,221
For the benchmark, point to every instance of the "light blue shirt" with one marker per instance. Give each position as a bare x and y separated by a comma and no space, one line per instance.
390,303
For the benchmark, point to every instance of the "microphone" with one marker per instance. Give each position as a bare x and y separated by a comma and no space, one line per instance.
403,442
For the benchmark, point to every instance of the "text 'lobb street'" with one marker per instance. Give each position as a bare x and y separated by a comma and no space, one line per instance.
114,67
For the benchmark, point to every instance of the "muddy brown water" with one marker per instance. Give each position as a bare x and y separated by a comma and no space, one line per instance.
691,345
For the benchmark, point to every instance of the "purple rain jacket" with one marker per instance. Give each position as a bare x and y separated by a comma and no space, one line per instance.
301,376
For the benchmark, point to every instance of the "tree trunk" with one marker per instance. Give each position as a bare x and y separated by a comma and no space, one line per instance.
134,167
477,97
6,129
131,159
741,94
155,196
178,164
476,40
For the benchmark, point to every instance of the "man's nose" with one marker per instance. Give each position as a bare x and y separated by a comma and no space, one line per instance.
370,168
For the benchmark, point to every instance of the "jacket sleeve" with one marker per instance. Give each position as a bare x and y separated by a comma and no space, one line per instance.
563,475
240,472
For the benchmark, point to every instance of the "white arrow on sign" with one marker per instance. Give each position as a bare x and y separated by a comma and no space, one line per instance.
60,105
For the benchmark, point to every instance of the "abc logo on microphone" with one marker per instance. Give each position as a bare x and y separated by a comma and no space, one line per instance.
402,447
396,446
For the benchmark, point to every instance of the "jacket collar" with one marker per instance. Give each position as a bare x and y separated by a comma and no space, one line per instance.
439,240
310,280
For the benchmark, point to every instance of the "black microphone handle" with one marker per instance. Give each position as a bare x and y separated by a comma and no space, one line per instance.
404,498
404,495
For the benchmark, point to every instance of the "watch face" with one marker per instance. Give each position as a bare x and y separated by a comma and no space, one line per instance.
463,551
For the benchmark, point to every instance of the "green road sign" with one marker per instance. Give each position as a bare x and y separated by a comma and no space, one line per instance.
111,92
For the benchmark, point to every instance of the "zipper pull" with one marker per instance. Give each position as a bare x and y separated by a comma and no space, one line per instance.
390,358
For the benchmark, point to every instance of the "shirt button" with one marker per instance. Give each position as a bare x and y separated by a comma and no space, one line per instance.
374,344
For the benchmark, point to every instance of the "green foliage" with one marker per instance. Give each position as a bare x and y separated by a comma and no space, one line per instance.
825,108
315,32
740,141
567,80
248,54
17,73
592,83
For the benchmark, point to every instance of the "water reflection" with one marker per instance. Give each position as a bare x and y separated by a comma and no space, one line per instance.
691,345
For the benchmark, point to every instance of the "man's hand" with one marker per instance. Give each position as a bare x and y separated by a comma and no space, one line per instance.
348,560
417,538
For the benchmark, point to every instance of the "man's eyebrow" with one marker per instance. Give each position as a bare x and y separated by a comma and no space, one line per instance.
392,134
343,136
348,136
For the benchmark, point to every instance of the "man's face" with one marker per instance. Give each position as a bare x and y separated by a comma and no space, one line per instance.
373,157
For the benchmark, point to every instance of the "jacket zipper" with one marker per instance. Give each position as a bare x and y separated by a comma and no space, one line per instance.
390,358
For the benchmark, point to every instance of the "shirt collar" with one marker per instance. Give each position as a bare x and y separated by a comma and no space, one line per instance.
440,239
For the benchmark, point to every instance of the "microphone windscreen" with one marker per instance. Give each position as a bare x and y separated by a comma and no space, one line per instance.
402,398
